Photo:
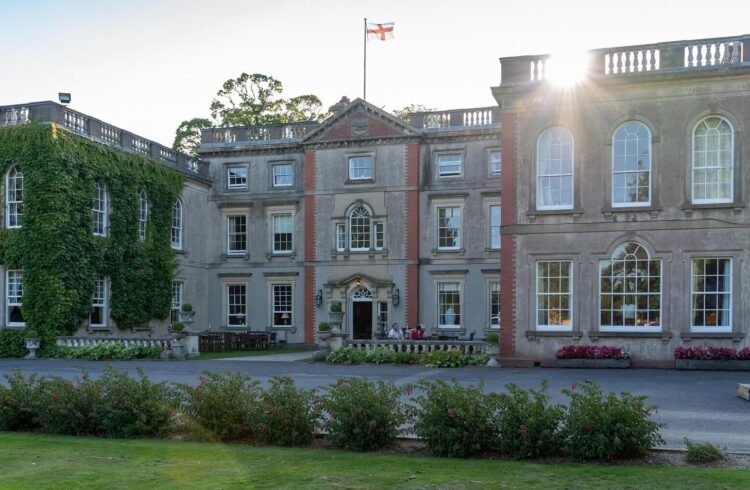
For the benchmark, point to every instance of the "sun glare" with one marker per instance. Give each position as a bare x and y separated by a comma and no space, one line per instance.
567,68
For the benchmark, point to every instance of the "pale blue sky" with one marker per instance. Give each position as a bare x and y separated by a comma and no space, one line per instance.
146,65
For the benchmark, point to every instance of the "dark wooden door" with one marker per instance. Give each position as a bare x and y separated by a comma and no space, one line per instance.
362,320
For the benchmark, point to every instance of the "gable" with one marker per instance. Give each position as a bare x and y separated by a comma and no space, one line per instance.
360,120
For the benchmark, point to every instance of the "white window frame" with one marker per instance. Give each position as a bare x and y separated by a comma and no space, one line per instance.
706,168
13,207
693,293
99,209
553,327
142,215
229,234
234,186
273,306
15,300
178,298
495,162
356,160
228,305
369,228
272,215
341,237
492,285
279,165
637,294
378,234
177,225
443,165
459,237
461,316
561,175
494,229
100,301
621,136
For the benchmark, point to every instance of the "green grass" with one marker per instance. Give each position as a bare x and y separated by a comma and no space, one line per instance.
251,353
37,461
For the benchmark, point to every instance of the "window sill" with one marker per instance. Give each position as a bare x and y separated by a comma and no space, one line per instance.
665,335
733,336
359,181
437,251
449,331
535,334
101,328
370,253
226,256
282,328
281,255
489,250
554,212
609,210
737,206
180,251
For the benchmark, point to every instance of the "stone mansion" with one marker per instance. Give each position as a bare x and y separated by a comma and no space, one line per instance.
624,216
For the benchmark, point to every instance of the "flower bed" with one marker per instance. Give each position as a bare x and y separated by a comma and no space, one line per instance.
592,356
712,358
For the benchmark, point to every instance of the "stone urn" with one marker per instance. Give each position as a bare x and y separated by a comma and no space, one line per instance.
187,316
492,348
32,344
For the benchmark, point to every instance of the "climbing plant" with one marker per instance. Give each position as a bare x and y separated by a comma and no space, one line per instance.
56,248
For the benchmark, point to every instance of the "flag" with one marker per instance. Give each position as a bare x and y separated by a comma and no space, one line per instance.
380,31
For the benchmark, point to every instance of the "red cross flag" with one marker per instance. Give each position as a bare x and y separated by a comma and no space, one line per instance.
382,31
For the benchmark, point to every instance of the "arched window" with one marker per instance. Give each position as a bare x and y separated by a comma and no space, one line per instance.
99,209
360,230
713,161
142,215
631,165
554,169
14,198
177,225
630,290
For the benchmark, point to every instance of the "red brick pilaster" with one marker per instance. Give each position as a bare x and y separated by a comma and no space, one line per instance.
508,317
411,236
310,244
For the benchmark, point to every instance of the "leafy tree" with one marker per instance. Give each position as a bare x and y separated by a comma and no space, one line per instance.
404,112
187,138
249,100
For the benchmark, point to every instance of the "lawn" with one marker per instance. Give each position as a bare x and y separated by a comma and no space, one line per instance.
251,353
58,462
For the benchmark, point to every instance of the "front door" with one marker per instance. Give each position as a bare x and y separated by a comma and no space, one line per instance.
361,320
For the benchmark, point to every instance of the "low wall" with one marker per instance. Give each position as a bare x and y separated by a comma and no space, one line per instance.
419,346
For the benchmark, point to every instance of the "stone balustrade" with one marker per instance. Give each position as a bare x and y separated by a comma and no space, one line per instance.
667,57
456,119
261,134
163,342
90,127
420,346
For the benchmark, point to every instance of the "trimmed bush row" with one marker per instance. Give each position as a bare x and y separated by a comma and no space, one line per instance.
589,351
107,350
712,353
354,413
386,355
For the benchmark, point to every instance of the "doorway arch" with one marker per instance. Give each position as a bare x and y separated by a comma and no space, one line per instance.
361,313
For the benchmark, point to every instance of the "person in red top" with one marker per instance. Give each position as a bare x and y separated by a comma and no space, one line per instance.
418,333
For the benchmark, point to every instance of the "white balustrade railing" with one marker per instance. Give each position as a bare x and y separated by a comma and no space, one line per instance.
140,146
645,59
477,117
713,53
258,133
163,342
293,131
420,346
167,156
110,135
75,122
539,69
14,115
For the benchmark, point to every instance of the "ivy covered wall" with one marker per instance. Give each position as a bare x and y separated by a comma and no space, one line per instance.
56,249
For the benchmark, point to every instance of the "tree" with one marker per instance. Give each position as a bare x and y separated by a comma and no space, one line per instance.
249,100
404,112
187,138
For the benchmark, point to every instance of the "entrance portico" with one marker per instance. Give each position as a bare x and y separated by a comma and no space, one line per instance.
366,305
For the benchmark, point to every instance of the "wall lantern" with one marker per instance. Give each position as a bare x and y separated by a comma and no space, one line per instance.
395,297
318,299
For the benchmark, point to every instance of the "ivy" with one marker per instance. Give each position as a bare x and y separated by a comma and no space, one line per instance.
56,248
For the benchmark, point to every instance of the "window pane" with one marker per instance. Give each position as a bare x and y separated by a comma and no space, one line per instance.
360,168
631,165
495,162
236,234
359,229
449,164
282,232
449,304
711,293
449,227
236,305
555,169
554,294
494,226
713,162
237,177
282,304
283,175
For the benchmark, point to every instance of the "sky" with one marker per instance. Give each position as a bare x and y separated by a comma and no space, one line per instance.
147,65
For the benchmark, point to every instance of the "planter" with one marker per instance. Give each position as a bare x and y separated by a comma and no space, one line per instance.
324,335
492,350
713,365
593,363
32,344
335,316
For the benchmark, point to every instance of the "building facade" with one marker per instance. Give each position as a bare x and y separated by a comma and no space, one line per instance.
626,201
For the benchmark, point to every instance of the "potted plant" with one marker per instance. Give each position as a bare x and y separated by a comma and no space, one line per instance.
492,348
592,356
324,330
33,341
178,327
335,315
712,358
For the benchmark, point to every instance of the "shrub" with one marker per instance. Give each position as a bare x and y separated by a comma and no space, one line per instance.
186,308
30,334
608,427
288,415
108,350
346,355
66,407
363,415
379,355
223,407
18,401
405,358
442,359
492,338
589,351
324,327
455,420
530,426
178,326
703,452
712,353
12,343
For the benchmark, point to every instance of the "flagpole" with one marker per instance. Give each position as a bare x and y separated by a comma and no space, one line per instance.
364,75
